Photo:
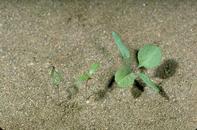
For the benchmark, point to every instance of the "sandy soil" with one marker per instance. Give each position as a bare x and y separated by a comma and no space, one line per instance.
70,35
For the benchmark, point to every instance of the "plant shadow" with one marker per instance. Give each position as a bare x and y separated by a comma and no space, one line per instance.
110,84
73,90
109,87
137,89
167,69
136,55
100,95
163,93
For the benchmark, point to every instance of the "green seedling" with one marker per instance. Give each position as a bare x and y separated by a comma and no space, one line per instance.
149,56
87,75
56,77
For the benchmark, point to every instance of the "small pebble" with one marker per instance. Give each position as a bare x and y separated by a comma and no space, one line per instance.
87,101
144,4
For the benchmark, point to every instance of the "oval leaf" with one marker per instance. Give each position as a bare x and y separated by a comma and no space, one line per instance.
149,56
124,78
124,51
149,82
122,72
127,81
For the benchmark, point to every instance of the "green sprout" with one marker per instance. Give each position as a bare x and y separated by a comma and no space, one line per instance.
87,75
149,56
56,77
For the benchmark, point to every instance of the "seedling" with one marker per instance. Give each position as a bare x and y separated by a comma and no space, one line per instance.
149,56
56,77
87,75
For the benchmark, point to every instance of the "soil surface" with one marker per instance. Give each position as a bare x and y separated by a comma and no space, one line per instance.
73,34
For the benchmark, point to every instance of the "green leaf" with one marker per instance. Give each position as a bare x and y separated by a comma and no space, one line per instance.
149,82
124,70
84,77
149,56
87,75
93,68
124,78
124,51
56,77
127,81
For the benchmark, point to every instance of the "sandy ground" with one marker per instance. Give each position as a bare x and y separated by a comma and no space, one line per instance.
70,35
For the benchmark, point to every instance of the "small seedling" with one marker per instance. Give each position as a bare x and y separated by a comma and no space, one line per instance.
149,56
87,75
56,77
